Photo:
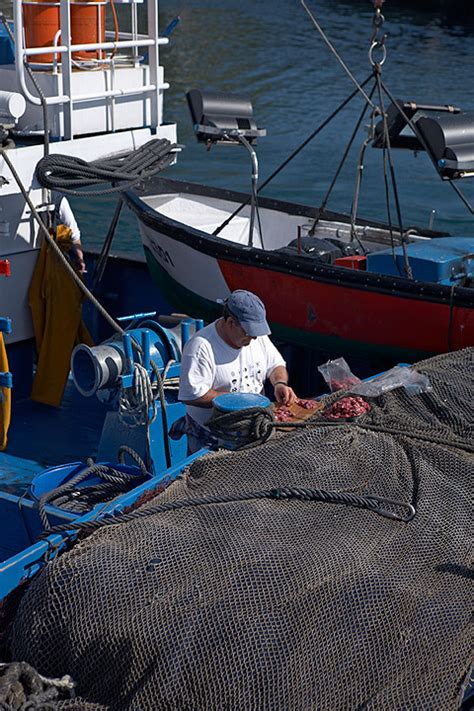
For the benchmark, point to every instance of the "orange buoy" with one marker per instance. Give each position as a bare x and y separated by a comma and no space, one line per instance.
42,21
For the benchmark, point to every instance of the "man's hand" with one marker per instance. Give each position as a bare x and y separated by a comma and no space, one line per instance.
284,395
78,257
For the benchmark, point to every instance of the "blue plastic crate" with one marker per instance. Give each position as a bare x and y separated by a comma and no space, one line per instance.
442,260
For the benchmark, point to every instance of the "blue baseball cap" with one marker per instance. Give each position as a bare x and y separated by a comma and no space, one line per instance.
249,311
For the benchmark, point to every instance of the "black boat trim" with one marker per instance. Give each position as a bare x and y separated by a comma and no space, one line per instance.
275,261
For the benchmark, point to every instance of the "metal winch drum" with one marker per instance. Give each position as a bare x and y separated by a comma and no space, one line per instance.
100,367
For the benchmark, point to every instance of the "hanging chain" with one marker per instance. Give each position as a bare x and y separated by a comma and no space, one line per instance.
377,41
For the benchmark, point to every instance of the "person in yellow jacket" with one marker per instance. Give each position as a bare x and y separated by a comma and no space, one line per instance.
56,306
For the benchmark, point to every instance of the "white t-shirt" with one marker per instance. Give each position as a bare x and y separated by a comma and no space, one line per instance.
209,363
66,217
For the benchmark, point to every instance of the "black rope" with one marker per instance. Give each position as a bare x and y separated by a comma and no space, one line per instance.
34,81
105,251
450,322
285,493
71,498
67,174
292,155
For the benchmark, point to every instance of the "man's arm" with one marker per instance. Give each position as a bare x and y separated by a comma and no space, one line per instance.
279,379
66,216
78,257
206,399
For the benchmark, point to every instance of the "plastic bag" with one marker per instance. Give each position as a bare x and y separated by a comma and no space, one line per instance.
338,375
400,376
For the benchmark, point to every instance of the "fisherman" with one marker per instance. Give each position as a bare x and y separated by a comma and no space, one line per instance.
233,354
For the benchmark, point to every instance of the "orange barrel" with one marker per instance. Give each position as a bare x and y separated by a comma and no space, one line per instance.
42,20
88,26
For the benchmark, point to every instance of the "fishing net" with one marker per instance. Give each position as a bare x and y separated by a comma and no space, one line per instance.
282,604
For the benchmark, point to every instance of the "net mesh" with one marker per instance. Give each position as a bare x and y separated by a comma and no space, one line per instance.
281,604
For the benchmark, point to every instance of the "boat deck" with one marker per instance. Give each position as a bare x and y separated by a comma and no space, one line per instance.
41,436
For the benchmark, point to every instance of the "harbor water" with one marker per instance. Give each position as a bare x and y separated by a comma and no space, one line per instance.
271,52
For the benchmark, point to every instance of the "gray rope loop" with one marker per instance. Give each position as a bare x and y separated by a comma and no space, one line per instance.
81,500
22,688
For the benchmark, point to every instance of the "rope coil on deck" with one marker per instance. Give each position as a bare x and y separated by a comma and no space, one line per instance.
22,687
70,174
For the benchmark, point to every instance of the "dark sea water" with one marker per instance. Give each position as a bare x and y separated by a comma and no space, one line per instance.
270,51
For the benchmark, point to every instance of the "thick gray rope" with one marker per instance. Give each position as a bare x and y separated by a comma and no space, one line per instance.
67,174
22,688
115,481
367,501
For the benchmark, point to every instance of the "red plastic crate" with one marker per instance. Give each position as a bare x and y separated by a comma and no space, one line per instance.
357,261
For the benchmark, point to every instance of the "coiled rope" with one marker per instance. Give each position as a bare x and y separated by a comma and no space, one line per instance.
246,428
137,404
22,687
68,174
80,500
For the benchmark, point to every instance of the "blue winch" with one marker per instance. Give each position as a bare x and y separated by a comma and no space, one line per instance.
137,372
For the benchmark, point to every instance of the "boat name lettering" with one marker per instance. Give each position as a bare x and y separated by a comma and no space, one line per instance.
163,254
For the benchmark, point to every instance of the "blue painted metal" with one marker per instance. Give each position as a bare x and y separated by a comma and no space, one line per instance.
446,260
22,559
185,331
146,345
6,381
5,324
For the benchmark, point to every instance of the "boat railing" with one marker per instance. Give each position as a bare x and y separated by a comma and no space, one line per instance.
65,51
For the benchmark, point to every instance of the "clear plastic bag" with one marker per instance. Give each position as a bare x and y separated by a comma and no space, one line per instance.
338,375
400,376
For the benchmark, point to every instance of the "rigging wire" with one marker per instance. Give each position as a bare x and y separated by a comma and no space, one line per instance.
337,55
325,200
406,261
292,155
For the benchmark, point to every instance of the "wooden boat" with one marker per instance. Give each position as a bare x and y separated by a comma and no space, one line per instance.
346,296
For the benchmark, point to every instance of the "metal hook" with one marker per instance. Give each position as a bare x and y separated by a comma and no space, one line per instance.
411,511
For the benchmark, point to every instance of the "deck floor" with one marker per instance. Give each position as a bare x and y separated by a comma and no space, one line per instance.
41,436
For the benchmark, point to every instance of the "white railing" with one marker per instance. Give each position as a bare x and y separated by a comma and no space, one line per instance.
66,50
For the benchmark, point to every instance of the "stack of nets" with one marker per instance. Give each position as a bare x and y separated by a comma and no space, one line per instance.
282,604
